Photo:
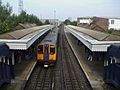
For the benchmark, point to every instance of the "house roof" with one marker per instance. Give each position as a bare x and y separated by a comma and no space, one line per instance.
24,26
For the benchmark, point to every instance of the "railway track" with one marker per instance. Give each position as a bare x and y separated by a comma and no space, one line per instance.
65,75
41,79
75,78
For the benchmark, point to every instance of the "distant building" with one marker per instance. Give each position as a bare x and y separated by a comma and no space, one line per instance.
114,24
52,21
99,23
84,20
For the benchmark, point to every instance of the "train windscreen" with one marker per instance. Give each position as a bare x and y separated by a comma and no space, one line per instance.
52,49
40,49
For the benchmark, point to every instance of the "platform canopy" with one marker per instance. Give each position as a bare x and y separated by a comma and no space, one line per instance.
23,39
96,41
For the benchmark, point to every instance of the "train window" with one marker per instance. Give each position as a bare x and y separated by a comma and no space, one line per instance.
52,49
40,49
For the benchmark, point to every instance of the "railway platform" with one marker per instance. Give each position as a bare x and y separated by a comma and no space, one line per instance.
92,69
22,73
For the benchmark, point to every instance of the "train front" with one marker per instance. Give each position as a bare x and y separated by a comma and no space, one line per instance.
47,49
46,54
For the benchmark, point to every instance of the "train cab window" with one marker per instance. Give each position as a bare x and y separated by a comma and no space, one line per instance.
52,49
40,49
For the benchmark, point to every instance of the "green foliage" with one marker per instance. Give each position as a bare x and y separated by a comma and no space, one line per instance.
4,27
47,22
109,31
26,18
68,22
74,23
94,19
5,12
8,21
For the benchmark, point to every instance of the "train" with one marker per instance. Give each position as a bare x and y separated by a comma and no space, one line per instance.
112,67
47,49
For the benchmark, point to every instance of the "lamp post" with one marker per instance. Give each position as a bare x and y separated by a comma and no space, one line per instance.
0,2
54,17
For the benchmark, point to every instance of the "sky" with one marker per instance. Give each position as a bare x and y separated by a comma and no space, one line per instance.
68,8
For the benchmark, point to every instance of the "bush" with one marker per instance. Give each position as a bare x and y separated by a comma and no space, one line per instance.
4,27
109,31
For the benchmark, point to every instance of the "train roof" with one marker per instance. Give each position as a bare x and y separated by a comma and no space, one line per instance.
51,38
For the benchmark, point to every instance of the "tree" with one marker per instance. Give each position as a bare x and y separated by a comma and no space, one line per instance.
8,20
94,20
67,22
74,23
5,12
34,19
4,27
26,18
12,21
22,18
47,22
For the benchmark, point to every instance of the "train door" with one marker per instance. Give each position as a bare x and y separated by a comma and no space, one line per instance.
52,52
40,52
46,54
